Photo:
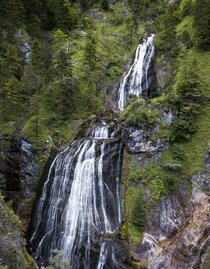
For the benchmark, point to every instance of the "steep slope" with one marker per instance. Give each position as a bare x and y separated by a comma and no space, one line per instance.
61,63
13,253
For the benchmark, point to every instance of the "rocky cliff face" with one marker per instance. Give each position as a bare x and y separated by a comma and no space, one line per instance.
19,177
180,236
177,232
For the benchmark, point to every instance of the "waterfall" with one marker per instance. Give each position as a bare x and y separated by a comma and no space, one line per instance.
136,81
79,210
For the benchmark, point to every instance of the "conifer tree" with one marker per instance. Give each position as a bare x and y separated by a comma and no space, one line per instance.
64,86
90,51
201,24
139,215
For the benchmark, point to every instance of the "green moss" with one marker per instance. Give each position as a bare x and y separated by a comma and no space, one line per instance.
156,178
159,181
19,259
13,244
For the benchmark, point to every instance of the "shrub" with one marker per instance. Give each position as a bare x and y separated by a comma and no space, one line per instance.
56,260
138,114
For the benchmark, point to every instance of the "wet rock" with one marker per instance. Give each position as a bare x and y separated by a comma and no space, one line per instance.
21,171
4,149
29,170
12,171
147,248
136,140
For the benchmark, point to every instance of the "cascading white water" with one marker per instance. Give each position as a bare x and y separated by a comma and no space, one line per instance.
80,204
136,80
100,132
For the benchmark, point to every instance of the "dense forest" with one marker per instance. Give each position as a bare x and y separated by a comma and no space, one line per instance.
61,63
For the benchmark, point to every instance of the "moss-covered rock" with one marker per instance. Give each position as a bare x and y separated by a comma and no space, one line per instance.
13,253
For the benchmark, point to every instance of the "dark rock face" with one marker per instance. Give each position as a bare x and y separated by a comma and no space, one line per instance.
136,140
21,171
4,149
29,170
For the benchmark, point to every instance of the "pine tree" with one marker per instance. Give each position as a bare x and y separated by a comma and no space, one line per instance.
139,215
64,86
201,24
90,51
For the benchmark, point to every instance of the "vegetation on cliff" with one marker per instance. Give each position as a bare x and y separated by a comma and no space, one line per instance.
59,63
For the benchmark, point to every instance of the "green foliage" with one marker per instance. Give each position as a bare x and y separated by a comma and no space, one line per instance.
166,27
130,231
185,8
206,262
191,90
13,253
183,126
191,153
105,4
188,85
137,113
173,166
11,15
139,215
56,261
159,181
185,31
64,90
90,51
201,24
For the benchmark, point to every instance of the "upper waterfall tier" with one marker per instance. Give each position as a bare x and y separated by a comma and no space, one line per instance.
136,80
79,208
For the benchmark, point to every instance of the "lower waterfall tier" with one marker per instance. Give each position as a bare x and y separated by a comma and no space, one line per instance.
79,210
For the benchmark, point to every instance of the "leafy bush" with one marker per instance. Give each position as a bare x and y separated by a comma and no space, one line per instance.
183,127
56,260
138,113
